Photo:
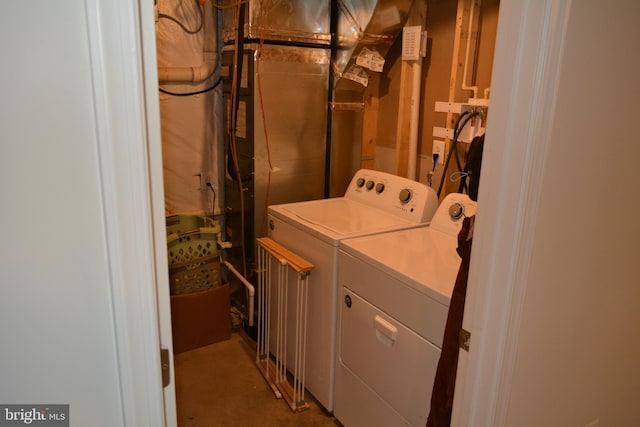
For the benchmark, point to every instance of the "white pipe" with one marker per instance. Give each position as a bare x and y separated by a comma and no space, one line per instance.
416,89
466,57
209,55
249,286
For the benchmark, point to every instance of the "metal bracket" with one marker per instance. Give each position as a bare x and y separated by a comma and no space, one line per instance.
164,364
464,339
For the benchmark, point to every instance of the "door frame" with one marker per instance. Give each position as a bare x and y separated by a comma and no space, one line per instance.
526,66
124,73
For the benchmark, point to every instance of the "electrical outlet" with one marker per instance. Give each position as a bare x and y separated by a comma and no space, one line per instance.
438,148
202,179
205,180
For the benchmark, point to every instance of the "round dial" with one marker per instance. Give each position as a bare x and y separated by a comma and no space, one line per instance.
405,195
379,188
456,210
370,185
360,182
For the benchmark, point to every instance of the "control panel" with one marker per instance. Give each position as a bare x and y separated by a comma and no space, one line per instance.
452,211
400,196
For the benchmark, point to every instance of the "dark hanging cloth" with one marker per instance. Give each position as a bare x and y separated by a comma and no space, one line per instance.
445,380
472,168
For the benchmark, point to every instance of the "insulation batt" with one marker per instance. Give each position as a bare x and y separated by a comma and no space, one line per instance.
191,141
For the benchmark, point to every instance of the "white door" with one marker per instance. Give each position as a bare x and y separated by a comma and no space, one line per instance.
554,268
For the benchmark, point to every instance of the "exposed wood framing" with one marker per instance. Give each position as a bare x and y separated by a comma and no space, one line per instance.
417,16
370,123
402,131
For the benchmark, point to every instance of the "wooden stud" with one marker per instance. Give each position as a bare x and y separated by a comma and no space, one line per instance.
370,123
417,16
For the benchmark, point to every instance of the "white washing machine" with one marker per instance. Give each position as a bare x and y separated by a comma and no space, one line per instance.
395,290
375,202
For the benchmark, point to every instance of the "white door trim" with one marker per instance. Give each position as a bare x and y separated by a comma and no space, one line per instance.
127,122
154,147
526,70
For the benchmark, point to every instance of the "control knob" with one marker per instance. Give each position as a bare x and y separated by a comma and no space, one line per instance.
379,188
360,182
456,210
405,195
370,185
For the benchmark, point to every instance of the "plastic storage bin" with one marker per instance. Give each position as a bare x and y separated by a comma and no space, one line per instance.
181,223
193,254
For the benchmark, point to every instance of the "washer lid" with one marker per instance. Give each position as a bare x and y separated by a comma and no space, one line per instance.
338,218
424,258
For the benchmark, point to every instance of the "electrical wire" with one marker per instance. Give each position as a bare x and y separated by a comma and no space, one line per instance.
183,26
233,113
215,85
213,203
350,16
264,118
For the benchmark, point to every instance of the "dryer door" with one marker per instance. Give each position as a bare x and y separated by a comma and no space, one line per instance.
393,361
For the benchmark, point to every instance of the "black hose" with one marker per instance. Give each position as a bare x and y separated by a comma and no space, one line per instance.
215,85
183,26
461,122
453,145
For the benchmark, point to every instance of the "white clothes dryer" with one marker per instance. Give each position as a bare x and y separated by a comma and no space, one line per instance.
395,290
375,202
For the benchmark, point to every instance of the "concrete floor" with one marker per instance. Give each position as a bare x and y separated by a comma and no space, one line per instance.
219,385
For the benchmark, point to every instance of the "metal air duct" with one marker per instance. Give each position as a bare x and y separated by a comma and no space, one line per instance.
366,30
